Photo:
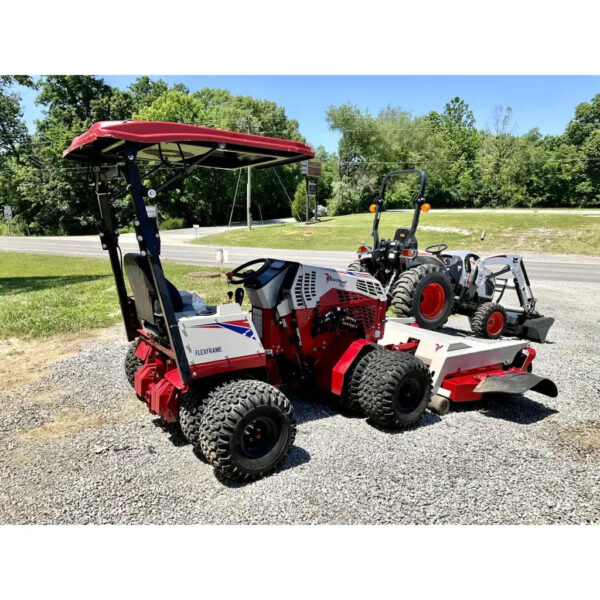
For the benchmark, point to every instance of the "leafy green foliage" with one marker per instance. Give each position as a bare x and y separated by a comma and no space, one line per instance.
172,223
54,196
465,166
299,202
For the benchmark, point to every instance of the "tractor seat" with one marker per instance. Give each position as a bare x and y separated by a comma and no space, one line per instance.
145,295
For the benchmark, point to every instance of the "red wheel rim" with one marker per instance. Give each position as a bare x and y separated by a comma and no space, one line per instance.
495,323
433,300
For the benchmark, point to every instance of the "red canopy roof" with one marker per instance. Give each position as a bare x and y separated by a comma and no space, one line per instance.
177,142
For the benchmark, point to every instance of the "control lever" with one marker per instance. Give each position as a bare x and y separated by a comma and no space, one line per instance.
229,295
239,295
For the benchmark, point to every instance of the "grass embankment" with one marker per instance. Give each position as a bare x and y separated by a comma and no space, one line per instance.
538,232
41,296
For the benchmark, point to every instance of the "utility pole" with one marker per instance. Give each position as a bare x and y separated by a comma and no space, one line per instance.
249,199
247,121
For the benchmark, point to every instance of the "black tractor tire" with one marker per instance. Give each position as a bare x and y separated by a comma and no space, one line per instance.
132,363
358,266
424,292
395,389
193,403
350,397
191,410
489,320
247,429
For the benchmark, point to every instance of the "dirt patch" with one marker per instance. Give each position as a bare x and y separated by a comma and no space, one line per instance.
25,361
66,423
447,229
586,437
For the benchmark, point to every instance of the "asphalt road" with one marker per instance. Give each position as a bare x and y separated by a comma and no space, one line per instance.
175,248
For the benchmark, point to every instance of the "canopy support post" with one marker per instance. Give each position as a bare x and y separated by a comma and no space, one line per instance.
149,243
109,237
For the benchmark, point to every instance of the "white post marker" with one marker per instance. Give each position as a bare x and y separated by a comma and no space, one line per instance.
222,256
196,228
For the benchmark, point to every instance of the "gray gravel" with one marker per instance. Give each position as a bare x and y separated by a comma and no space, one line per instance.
78,447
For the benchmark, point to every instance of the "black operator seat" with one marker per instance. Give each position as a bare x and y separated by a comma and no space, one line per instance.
403,236
145,295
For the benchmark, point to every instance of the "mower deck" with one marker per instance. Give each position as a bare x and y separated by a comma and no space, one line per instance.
463,368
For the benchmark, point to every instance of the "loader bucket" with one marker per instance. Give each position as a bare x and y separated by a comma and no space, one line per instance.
517,383
537,329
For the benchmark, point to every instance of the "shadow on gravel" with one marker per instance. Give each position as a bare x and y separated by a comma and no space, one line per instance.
427,419
515,409
173,431
297,456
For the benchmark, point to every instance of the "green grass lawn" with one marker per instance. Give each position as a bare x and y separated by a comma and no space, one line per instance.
41,296
539,232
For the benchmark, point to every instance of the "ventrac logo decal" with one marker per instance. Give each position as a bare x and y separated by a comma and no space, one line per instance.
355,274
334,279
241,327
438,347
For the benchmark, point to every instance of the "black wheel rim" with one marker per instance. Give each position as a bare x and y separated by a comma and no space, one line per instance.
259,437
409,395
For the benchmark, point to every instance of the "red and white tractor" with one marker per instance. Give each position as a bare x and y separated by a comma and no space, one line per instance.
431,285
218,369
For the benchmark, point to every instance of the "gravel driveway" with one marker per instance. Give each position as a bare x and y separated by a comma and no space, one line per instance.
78,447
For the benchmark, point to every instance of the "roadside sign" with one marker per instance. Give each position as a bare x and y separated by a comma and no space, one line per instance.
311,167
312,189
8,212
196,226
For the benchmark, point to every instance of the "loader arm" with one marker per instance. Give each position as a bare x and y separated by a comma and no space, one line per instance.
512,263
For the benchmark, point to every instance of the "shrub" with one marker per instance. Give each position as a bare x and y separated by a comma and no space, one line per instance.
353,195
173,223
299,202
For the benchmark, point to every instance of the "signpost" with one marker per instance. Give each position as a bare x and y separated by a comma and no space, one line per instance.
311,169
196,229
8,215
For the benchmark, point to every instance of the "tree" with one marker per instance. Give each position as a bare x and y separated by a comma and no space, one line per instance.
206,196
13,131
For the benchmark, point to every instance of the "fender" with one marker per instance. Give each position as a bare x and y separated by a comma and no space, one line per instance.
427,259
330,374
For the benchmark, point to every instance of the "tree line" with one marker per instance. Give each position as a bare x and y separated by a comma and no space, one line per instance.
466,166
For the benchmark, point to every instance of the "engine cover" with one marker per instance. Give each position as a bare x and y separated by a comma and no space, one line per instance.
359,295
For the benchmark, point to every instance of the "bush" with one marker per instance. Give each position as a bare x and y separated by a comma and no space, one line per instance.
353,195
173,223
299,202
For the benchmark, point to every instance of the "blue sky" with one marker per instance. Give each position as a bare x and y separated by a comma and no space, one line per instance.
546,102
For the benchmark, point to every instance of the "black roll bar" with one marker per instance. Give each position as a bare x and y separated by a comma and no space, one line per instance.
147,235
418,201
109,237
148,239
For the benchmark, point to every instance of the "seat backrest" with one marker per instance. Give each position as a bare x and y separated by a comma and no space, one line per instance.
145,296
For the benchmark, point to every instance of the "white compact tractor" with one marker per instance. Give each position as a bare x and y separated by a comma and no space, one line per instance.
217,370
430,286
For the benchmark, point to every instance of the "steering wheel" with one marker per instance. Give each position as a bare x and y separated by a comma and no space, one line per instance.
436,249
237,277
